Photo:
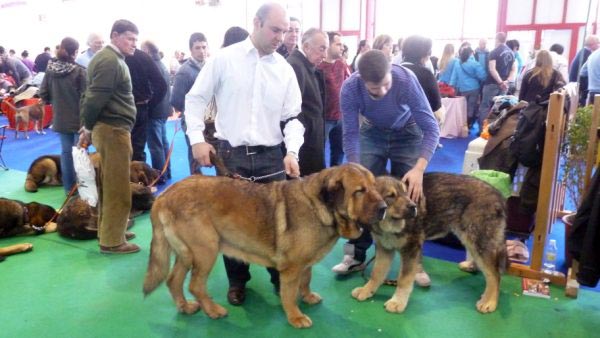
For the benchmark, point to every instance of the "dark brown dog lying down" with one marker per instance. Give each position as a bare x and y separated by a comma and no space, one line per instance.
470,208
19,218
287,225
46,170
78,220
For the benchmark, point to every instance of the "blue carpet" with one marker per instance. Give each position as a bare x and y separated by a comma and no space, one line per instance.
19,153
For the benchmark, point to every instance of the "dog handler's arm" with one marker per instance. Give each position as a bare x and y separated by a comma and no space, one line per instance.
196,101
414,180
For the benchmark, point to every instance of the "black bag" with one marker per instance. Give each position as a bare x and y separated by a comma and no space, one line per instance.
528,140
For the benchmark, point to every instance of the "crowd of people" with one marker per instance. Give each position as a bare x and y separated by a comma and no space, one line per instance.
268,102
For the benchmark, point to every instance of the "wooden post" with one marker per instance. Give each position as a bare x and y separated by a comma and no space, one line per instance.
546,213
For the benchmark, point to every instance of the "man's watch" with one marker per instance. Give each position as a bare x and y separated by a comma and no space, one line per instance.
293,153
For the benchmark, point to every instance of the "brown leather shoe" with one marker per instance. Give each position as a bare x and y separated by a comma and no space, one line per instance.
129,235
124,248
236,295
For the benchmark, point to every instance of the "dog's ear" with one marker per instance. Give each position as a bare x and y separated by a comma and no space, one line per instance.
330,184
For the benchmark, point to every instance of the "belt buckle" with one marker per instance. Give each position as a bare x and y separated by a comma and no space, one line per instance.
248,152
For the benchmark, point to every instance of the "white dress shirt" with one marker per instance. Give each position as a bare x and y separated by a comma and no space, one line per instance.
253,95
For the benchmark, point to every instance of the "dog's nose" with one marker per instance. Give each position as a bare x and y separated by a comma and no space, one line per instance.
412,210
382,207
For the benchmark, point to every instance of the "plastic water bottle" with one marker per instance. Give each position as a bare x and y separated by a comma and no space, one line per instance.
550,261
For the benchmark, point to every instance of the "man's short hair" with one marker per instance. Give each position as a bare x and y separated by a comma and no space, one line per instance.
415,48
557,48
197,37
332,35
501,37
121,26
151,46
46,49
309,34
373,66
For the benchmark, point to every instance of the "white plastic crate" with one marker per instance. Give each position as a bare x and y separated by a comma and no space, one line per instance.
472,154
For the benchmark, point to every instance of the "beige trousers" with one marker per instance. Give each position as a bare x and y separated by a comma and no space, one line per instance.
114,145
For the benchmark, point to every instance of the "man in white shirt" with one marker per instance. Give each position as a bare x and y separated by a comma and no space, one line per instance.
95,42
256,92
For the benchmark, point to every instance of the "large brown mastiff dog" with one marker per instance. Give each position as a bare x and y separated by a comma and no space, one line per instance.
287,225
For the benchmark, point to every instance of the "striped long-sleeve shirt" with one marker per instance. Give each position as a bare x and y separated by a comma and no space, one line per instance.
404,102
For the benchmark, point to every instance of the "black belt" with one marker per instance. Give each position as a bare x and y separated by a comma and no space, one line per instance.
252,150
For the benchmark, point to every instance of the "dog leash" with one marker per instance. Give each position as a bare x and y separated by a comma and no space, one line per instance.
256,178
168,158
41,229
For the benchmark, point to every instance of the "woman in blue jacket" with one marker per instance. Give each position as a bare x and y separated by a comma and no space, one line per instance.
467,77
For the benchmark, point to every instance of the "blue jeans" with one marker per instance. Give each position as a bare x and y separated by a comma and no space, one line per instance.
158,144
264,162
377,146
471,96
489,92
333,133
67,141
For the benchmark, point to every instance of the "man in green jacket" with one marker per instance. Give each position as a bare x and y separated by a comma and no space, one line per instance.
108,114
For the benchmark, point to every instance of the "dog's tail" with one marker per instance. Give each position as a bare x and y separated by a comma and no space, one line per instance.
160,251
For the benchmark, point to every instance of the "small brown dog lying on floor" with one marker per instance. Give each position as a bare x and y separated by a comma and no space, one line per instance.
142,173
34,112
78,220
470,208
44,170
287,225
18,218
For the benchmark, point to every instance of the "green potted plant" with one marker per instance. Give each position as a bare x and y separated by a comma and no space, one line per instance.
573,164
573,155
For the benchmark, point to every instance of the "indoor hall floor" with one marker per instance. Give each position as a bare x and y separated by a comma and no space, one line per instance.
67,288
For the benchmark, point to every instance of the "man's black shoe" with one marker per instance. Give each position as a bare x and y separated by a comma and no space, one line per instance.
236,295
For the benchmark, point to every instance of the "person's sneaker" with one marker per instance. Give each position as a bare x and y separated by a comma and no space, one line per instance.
348,264
125,248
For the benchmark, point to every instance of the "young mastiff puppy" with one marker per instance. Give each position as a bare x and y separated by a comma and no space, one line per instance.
470,208
288,225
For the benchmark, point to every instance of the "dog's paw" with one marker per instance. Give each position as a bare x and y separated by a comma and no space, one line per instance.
396,305
486,305
468,266
300,322
189,308
312,298
362,293
214,310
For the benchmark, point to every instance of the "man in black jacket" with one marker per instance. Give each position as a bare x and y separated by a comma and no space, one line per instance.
149,88
312,87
